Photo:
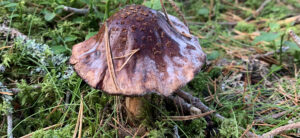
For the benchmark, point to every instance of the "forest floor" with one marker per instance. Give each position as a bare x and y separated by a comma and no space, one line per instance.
251,79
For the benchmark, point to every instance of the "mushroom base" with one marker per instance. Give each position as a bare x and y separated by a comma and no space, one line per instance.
135,108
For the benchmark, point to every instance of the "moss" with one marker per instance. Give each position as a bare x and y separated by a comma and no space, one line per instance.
228,128
202,81
64,132
245,27
44,61
195,128
160,130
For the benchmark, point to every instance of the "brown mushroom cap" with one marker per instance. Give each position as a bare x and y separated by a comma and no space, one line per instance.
165,60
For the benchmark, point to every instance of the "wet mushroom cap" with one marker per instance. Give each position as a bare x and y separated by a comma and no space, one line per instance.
165,59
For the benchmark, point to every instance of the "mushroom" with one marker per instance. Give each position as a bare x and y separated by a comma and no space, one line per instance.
137,52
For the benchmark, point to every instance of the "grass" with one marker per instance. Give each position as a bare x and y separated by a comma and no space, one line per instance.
247,91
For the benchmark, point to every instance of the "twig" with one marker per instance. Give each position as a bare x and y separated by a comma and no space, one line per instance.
72,13
176,135
286,136
210,9
295,37
67,16
289,20
258,11
47,128
17,90
282,91
197,103
68,94
284,49
220,23
238,6
247,130
212,96
75,10
281,129
137,131
54,109
184,105
262,6
122,127
14,32
9,111
9,125
145,135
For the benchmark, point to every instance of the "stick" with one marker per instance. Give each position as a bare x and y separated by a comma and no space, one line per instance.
68,94
122,127
176,135
184,105
262,6
295,37
274,116
14,32
281,129
284,49
289,20
75,10
220,23
247,130
258,11
9,125
8,98
16,90
197,103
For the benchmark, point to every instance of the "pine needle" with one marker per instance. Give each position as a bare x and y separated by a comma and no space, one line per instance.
130,55
47,128
176,8
7,93
5,47
171,23
81,116
79,119
189,117
109,58
126,55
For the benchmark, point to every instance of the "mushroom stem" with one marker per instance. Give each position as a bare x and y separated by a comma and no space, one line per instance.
134,107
